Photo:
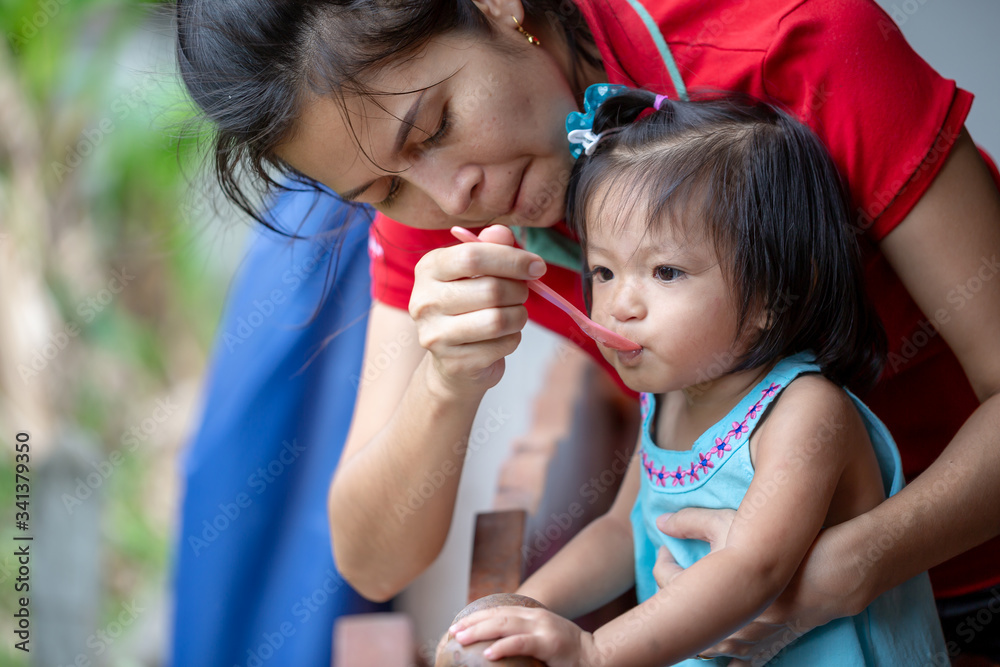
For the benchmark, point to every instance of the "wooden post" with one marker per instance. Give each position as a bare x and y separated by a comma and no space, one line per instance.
386,640
375,640
496,553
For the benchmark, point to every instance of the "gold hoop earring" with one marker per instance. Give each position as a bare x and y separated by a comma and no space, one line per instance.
531,38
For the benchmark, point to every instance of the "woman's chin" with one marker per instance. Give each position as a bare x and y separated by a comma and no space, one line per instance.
551,214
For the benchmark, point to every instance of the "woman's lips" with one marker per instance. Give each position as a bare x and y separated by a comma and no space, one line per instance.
516,198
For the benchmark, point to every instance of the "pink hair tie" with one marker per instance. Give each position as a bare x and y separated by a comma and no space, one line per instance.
650,110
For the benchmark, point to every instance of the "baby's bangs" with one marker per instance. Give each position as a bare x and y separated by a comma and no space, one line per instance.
672,187
614,201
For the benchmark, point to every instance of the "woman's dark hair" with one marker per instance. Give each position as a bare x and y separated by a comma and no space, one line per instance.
771,202
247,64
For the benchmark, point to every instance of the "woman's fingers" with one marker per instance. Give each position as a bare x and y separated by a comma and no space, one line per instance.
466,260
468,295
497,234
665,568
479,326
468,306
470,360
696,523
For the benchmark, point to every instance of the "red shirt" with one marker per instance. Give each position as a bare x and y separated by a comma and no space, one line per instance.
889,121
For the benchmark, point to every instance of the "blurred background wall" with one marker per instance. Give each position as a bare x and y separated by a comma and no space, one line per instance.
112,273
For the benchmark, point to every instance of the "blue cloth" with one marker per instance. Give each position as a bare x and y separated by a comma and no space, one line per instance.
255,583
900,627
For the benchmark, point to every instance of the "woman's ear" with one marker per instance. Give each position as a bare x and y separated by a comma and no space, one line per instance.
764,320
500,11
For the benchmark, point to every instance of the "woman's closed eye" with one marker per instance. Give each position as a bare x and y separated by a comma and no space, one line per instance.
668,274
443,127
394,185
430,142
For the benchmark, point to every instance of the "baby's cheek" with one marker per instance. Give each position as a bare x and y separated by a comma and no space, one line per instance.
599,307
609,355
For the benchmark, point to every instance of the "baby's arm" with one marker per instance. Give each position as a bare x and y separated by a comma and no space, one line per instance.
600,555
784,508
595,567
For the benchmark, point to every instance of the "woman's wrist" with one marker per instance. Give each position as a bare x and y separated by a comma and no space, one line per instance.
856,567
447,390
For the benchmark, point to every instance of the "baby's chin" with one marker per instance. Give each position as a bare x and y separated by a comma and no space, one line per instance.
642,387
632,378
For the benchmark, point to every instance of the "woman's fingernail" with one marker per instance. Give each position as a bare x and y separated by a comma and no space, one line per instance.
488,653
536,269
453,629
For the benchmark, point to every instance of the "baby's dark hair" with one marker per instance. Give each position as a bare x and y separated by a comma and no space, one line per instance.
773,206
249,64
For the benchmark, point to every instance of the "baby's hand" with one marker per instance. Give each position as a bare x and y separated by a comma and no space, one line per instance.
521,631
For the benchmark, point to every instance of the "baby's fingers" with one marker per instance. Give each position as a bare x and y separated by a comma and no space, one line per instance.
493,626
517,645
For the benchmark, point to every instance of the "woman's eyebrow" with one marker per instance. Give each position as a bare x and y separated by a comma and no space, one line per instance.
404,131
407,124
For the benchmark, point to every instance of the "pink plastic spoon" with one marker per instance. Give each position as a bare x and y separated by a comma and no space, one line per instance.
591,328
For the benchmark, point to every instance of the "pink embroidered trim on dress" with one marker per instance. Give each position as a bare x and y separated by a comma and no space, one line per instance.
659,476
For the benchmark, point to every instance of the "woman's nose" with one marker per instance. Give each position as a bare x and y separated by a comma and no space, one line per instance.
453,189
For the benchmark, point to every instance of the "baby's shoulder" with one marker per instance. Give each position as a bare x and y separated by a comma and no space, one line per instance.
812,388
813,409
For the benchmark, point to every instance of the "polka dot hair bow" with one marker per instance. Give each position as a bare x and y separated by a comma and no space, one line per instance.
580,126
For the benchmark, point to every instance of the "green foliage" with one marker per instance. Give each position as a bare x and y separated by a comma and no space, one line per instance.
96,78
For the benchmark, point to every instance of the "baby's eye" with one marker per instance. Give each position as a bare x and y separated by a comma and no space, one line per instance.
602,274
667,274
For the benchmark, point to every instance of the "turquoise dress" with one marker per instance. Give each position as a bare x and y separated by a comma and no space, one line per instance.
900,628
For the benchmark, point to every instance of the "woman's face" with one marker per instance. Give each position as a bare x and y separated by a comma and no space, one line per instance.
468,134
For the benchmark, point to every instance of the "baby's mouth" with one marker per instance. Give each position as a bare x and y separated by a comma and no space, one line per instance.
628,358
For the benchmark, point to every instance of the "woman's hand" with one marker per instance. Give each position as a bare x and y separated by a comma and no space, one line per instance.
521,631
468,305
823,589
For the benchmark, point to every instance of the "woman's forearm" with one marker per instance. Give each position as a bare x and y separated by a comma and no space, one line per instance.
954,505
391,503
948,509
